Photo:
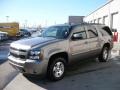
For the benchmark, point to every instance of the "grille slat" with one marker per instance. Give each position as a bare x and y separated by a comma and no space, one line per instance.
18,56
18,53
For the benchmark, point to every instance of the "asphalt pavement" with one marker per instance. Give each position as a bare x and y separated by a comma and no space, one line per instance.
4,50
7,72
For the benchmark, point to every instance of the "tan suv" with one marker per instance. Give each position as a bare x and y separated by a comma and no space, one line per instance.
58,46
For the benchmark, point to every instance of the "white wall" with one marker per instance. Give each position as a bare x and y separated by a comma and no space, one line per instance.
108,14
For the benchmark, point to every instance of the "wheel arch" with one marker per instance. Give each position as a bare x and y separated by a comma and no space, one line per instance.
106,45
60,54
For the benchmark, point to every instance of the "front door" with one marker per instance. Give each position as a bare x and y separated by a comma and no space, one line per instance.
79,43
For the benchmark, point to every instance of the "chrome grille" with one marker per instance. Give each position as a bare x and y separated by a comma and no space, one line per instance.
18,53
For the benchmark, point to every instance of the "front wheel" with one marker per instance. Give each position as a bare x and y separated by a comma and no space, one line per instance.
56,69
103,57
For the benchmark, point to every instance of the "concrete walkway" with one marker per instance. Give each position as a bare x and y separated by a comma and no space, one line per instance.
116,49
116,46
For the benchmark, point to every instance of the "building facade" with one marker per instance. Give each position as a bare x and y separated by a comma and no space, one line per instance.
108,14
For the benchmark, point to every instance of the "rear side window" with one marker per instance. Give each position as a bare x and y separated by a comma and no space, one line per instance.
92,33
105,31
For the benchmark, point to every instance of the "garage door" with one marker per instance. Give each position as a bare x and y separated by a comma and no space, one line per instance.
100,20
115,21
105,20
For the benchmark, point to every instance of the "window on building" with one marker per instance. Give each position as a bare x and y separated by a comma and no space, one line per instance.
105,20
115,20
100,20
95,21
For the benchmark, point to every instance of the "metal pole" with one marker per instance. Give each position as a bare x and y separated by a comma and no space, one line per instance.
7,18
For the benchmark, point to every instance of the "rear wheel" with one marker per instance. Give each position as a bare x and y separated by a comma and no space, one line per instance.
103,57
56,69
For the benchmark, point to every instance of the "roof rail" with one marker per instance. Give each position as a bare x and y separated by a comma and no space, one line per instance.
96,24
84,23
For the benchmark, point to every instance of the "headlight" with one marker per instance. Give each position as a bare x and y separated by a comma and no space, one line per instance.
35,55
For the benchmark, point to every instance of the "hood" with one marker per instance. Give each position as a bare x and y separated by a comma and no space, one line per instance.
31,42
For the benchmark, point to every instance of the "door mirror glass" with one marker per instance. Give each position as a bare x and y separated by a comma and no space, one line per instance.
77,36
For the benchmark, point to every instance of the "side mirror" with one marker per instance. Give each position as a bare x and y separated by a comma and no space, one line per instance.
77,36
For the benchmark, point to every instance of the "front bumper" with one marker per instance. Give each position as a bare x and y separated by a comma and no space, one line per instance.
28,66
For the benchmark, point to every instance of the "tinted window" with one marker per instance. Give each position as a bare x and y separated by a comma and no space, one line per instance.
51,33
92,33
81,34
106,31
59,32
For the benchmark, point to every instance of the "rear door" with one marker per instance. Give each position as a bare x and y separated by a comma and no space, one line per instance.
93,40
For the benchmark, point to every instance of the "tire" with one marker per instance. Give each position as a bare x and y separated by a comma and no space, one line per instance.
56,69
103,57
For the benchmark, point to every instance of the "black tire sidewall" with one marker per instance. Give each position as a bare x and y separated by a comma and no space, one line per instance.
101,57
50,73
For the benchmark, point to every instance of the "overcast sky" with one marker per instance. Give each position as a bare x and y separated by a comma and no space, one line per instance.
45,12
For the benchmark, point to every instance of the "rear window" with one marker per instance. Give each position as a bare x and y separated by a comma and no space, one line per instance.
106,31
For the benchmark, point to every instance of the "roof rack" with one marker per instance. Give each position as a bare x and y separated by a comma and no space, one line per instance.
96,24
84,23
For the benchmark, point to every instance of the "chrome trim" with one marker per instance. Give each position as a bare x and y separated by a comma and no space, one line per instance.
18,52
17,60
15,64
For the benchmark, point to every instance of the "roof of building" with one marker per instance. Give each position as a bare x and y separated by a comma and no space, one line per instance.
109,1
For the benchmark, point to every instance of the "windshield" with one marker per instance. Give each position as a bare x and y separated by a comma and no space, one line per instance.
59,32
